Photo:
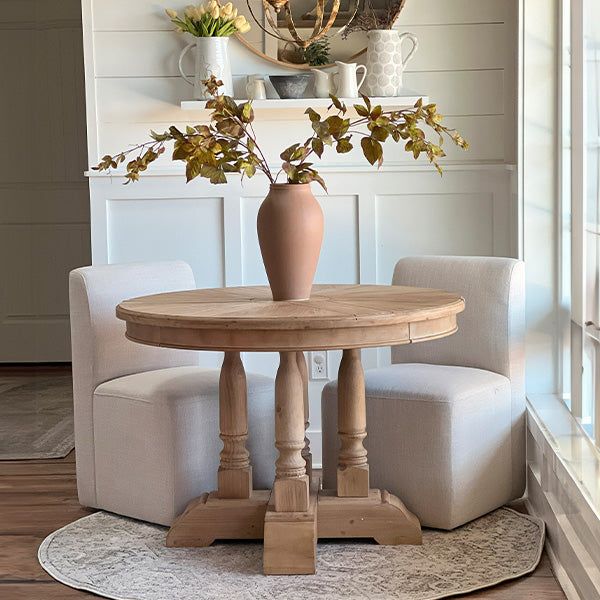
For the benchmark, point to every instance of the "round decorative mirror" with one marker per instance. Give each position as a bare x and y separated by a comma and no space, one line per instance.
303,34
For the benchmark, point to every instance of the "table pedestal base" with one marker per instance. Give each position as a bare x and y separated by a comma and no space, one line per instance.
290,537
209,518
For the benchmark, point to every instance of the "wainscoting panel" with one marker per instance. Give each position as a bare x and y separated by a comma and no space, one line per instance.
189,229
339,255
432,224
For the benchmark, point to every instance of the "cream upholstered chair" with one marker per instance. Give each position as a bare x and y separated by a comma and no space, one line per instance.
448,416
146,419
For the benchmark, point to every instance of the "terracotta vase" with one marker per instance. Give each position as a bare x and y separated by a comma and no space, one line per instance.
290,233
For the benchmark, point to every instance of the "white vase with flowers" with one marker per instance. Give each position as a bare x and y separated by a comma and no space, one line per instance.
209,25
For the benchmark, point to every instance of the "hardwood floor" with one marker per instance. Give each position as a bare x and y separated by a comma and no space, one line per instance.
38,497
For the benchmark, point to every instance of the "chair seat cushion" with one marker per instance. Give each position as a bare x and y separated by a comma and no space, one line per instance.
165,385
439,437
157,439
432,383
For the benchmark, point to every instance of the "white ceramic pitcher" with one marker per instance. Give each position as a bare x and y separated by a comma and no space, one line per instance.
322,83
345,79
385,62
255,87
210,58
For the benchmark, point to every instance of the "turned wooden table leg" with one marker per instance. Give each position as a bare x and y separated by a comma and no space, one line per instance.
353,469
234,511
306,453
235,472
291,487
290,522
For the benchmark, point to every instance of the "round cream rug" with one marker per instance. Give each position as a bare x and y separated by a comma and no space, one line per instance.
124,559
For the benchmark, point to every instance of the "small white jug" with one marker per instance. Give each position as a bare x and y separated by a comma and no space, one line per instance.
323,83
255,87
345,79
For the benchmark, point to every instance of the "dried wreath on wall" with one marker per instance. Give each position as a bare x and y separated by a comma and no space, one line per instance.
375,17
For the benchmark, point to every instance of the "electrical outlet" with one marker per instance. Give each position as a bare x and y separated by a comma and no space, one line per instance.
318,365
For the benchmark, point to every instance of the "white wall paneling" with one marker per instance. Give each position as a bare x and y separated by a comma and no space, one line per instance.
466,63
189,229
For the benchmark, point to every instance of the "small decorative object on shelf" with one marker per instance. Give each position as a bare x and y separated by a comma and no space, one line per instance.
290,221
323,83
255,87
317,53
345,79
385,63
290,86
210,25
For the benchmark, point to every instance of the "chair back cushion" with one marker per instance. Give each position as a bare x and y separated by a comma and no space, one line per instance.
100,351
491,329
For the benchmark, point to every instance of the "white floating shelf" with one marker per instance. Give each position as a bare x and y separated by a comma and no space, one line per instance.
301,104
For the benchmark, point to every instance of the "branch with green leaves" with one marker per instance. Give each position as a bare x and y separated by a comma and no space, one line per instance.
228,143
338,131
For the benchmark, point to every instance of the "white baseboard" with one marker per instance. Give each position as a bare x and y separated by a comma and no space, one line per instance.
559,572
314,435
561,575
555,493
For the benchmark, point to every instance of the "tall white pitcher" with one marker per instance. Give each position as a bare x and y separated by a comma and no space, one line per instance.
385,62
210,58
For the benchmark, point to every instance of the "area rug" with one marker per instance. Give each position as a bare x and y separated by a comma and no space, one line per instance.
123,559
36,417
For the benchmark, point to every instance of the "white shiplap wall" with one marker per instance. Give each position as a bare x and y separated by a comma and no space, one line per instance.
466,62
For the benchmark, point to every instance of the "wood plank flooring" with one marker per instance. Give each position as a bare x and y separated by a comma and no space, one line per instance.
38,497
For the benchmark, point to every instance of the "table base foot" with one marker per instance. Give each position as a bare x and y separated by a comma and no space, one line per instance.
209,518
380,516
290,543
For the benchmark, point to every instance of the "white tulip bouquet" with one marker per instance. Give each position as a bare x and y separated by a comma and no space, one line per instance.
209,20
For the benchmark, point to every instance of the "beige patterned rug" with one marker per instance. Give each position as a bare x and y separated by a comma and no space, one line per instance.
36,417
124,559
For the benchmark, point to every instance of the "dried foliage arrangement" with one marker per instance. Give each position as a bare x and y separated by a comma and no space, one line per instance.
229,145
371,18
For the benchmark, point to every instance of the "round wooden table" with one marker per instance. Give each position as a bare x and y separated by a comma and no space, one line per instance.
292,516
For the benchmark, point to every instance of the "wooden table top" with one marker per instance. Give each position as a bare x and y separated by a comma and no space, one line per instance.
247,319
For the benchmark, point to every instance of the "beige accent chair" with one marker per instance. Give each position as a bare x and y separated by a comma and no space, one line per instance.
147,419
447,418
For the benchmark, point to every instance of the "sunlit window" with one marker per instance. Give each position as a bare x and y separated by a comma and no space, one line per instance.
581,96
